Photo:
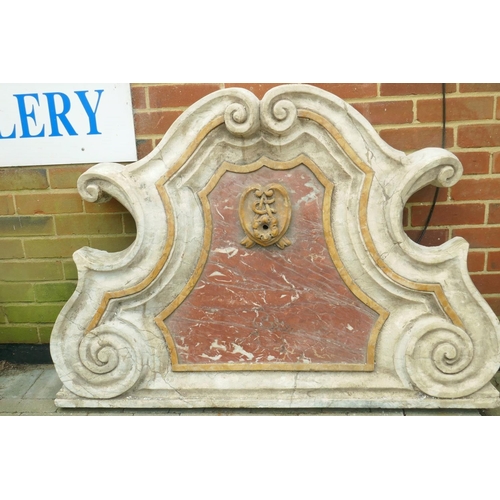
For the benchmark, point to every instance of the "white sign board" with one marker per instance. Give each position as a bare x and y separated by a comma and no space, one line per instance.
65,123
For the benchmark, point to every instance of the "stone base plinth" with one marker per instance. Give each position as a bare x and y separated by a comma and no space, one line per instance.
322,398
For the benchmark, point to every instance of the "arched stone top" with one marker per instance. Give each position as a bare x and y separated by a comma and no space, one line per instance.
270,243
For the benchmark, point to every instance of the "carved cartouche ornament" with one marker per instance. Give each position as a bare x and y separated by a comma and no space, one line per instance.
265,216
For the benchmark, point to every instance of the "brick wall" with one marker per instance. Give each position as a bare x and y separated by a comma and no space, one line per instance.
43,220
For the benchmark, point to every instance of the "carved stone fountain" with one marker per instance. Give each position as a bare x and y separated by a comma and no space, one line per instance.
271,269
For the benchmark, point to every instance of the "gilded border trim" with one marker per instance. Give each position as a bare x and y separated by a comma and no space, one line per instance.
435,288
160,187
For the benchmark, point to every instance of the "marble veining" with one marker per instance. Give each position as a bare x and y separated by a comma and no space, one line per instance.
266,304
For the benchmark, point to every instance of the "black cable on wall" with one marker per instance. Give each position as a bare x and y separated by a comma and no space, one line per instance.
443,143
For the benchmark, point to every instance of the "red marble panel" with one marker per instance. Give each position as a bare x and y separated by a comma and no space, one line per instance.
266,304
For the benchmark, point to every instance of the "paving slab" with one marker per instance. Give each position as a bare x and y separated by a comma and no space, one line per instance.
31,406
15,384
491,412
105,412
45,406
9,406
45,387
442,413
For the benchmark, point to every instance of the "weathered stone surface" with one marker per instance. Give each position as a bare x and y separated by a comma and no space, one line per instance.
270,269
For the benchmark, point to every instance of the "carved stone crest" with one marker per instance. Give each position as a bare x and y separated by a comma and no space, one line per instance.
265,214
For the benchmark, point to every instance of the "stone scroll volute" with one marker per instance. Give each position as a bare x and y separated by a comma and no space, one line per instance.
270,268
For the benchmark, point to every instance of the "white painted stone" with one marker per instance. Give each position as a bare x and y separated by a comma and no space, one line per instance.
438,347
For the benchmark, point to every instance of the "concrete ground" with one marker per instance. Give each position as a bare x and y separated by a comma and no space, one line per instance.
31,389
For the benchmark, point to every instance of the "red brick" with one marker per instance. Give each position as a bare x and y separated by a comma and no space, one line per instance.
15,334
172,96
487,283
144,147
70,272
129,224
111,206
42,270
16,179
414,88
476,189
349,90
496,162
28,225
480,237
11,249
380,113
427,194
53,247
475,261
45,333
478,136
498,109
457,108
83,224
342,90
259,89
412,138
111,243
53,203
432,237
7,205
475,162
405,216
493,261
494,213
156,122
479,87
449,214
138,97
66,177
494,303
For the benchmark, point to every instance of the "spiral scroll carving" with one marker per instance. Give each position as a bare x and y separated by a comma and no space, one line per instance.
111,359
437,356
93,192
242,117
448,176
278,117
